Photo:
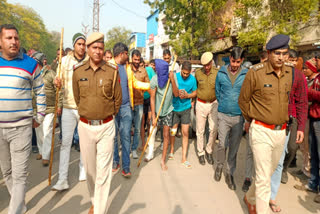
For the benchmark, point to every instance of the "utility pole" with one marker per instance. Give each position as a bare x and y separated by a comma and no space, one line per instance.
96,11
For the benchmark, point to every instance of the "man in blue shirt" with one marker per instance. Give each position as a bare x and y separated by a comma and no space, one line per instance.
228,85
187,89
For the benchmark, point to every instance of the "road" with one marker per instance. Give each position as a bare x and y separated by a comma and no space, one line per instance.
150,190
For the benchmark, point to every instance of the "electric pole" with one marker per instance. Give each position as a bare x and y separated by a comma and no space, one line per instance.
96,10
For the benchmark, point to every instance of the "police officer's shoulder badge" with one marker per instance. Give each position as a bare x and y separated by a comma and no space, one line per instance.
112,65
77,65
289,64
258,66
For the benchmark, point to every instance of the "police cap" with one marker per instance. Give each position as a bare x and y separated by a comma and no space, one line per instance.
95,37
279,41
206,58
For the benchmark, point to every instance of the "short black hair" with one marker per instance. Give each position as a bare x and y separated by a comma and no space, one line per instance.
263,55
118,48
136,52
186,65
8,27
237,53
152,61
108,51
293,53
166,52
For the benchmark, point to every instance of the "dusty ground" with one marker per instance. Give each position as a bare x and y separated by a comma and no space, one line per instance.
149,190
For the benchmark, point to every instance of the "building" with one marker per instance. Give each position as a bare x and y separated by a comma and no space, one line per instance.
152,33
138,41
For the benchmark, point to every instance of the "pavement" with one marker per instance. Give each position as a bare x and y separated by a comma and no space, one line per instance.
152,191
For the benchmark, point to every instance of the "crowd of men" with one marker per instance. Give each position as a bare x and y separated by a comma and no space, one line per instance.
104,98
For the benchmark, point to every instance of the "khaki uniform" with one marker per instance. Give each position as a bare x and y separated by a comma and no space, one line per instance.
98,97
207,107
44,131
264,97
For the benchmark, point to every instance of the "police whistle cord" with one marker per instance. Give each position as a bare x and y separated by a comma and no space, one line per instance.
162,101
55,110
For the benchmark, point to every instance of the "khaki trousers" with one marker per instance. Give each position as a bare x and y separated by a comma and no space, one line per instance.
204,111
96,144
267,146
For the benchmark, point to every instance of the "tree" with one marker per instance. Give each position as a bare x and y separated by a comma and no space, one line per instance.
188,23
117,34
261,18
32,31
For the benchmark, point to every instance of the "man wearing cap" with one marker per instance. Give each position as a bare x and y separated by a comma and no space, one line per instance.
70,115
206,107
264,100
97,93
44,131
20,74
228,85
314,137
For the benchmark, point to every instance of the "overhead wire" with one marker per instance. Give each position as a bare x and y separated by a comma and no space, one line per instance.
128,10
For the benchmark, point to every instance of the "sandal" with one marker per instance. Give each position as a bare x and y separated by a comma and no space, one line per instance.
170,156
274,207
186,164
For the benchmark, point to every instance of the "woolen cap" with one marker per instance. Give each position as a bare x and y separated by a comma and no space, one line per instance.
279,41
206,58
76,37
311,64
95,37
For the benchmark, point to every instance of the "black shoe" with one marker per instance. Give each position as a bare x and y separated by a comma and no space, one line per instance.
217,173
77,147
209,158
246,185
230,182
284,177
202,160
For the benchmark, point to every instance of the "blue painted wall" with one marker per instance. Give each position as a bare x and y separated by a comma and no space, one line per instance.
141,40
152,24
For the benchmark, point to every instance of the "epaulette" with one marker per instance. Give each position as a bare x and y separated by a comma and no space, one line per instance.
112,65
258,66
78,65
289,64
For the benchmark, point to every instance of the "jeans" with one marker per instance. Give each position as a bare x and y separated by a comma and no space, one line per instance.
137,117
75,140
314,140
123,122
276,176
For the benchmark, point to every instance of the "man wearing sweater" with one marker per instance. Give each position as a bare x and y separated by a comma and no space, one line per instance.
20,75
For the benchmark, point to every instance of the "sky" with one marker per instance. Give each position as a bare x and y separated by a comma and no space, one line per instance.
71,14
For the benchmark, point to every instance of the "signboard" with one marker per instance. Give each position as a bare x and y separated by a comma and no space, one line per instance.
151,38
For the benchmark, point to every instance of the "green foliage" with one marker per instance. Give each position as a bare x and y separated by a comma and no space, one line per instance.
188,23
32,31
117,34
263,17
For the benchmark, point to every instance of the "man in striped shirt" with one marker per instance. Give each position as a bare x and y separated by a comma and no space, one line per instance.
20,75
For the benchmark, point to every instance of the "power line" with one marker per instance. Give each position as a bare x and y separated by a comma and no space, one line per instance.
128,10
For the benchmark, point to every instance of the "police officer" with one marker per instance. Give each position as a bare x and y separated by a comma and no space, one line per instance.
263,100
97,93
